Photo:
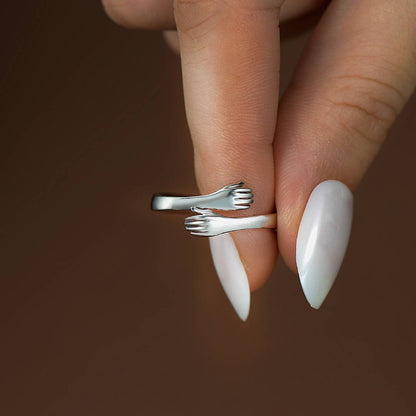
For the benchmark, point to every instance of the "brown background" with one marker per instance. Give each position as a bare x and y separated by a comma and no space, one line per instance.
109,309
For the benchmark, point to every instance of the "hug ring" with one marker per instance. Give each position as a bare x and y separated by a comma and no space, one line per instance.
208,223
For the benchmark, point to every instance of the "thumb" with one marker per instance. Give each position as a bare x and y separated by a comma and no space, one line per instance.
351,83
230,60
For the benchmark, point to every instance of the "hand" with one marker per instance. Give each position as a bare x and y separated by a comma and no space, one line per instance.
356,74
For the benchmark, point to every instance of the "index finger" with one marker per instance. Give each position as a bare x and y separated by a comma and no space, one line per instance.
230,63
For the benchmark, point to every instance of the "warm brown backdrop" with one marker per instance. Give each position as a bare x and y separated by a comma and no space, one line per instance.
109,309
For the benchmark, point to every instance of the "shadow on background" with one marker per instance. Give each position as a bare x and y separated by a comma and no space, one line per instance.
110,309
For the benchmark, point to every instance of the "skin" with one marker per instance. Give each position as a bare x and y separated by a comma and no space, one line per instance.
354,77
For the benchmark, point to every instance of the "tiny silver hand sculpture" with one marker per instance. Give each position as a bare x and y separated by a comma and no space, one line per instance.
209,223
229,198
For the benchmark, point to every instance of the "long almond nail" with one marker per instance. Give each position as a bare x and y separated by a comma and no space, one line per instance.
231,273
323,239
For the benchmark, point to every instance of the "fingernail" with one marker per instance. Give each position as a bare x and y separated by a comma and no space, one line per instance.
231,273
323,239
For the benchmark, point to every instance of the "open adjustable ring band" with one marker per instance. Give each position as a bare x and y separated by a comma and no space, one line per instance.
229,198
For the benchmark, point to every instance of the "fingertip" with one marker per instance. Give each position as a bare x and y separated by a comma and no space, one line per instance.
172,40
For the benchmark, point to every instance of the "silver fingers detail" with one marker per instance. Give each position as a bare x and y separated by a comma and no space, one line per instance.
209,223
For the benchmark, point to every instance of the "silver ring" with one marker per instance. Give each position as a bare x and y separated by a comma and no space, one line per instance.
208,223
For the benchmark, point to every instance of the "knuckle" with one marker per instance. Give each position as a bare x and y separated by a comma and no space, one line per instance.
194,16
365,107
197,17
119,11
130,13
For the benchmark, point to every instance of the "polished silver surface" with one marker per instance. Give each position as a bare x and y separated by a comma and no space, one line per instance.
229,198
209,223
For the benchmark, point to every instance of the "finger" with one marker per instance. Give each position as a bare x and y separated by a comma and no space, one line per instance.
141,14
158,14
172,40
351,83
230,61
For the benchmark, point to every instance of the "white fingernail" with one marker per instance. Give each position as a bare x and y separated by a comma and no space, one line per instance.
231,273
323,238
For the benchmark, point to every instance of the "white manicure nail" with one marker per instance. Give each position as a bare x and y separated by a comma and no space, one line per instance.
323,238
231,273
